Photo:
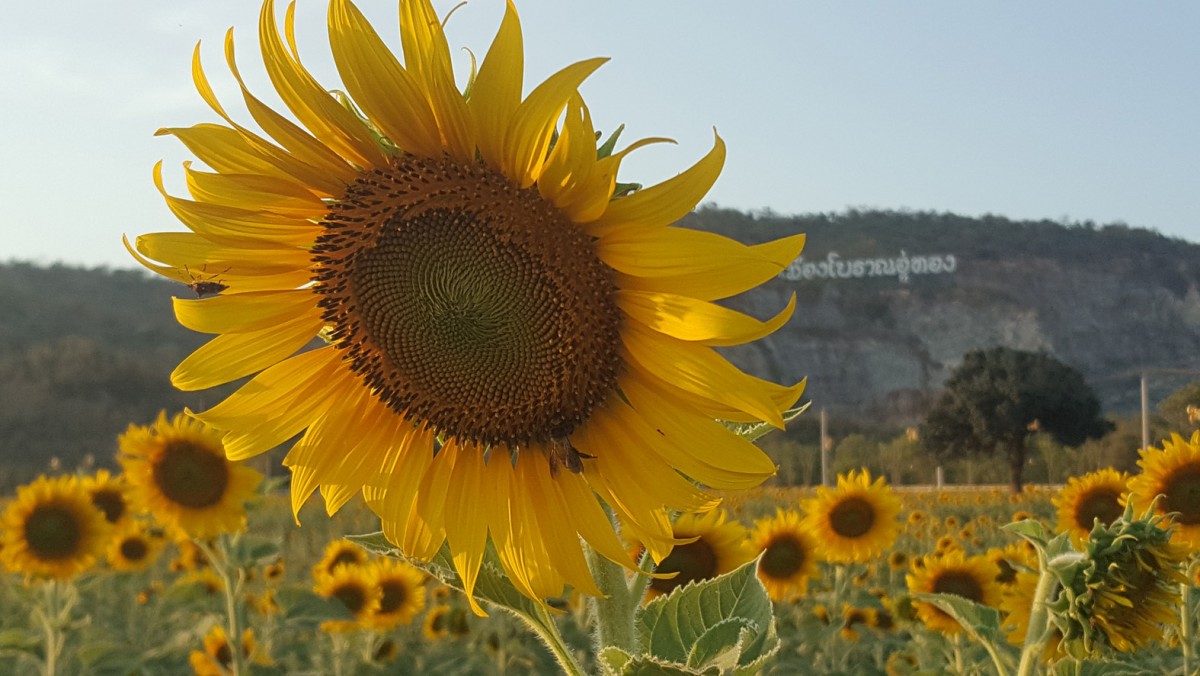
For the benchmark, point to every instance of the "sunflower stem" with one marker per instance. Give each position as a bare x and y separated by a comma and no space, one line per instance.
51,617
546,629
231,584
1039,618
1185,620
614,612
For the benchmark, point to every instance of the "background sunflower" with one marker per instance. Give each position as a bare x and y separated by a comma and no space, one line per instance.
973,578
52,529
1098,495
719,546
788,554
854,522
1172,471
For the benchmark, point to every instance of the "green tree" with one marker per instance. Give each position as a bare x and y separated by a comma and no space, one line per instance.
998,397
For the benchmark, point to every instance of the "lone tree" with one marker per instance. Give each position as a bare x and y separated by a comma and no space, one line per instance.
998,397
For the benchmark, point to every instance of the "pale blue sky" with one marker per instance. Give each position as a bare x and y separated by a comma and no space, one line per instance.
1077,110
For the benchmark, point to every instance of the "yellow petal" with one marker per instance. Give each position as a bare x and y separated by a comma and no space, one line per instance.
336,496
590,520
427,56
242,312
665,203
235,355
699,370
254,191
377,82
696,320
533,123
467,529
277,403
323,115
496,93
562,541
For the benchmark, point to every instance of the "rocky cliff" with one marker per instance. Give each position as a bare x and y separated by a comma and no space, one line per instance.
888,303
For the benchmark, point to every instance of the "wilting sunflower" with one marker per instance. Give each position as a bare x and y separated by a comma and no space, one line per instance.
719,546
855,522
485,287
339,553
178,472
973,578
108,494
788,552
132,548
355,587
1172,471
401,593
52,529
1096,495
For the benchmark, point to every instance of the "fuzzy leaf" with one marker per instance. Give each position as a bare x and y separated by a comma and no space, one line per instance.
982,623
671,626
722,644
617,662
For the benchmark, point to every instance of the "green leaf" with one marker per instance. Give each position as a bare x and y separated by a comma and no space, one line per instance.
754,431
1029,529
251,550
722,644
617,662
671,626
613,660
20,640
982,623
300,605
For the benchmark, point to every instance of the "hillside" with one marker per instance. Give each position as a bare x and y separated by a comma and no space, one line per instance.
887,305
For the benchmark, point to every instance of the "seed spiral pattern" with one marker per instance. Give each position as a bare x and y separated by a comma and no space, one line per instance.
468,304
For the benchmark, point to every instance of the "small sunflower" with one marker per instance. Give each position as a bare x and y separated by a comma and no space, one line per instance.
854,522
188,555
273,572
339,553
177,471
973,578
437,622
217,657
853,619
1096,495
717,546
132,548
401,594
898,560
108,494
205,579
788,554
1172,471
1010,561
355,587
484,284
52,529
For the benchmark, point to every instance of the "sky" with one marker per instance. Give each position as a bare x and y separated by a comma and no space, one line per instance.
1070,110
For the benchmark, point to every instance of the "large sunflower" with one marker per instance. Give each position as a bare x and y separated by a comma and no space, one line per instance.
52,529
854,522
178,472
1083,500
713,546
973,578
1173,472
788,552
486,288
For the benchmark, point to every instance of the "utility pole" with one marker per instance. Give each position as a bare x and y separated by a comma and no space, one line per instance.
1145,413
824,451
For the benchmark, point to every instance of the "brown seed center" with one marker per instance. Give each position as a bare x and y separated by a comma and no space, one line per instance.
53,532
467,303
783,557
191,476
852,517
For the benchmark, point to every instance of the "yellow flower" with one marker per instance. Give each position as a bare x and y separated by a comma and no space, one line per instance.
274,572
204,578
339,553
973,578
177,471
855,522
1010,561
486,288
437,623
1172,471
401,593
132,548
788,552
355,587
1096,495
719,547
217,657
52,529
108,494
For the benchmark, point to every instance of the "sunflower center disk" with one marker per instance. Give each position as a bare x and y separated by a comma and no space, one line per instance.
852,517
134,550
53,532
191,476
693,561
960,584
111,503
394,597
1100,504
1182,490
783,558
467,303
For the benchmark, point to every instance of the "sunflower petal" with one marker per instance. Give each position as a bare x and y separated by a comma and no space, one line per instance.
496,92
232,356
241,312
467,531
696,320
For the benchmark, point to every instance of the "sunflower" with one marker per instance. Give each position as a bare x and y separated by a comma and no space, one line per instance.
339,553
1172,471
132,548
716,546
437,622
1083,500
973,578
1010,561
217,657
273,572
788,554
108,494
401,593
854,522
355,587
1016,605
52,529
178,472
484,286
